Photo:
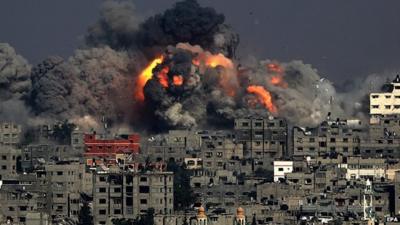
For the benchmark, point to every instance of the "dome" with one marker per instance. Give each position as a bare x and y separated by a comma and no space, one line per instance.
240,212
201,212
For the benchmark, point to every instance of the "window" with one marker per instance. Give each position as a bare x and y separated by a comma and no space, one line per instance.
59,195
59,173
312,140
102,190
258,124
375,96
333,139
387,106
129,189
102,212
280,169
102,201
300,149
4,157
312,149
117,190
396,106
117,211
102,179
345,140
3,167
245,124
144,189
143,179
388,96
143,201
397,96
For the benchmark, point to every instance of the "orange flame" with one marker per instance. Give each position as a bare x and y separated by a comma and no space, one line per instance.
264,97
278,81
144,76
218,60
177,80
275,68
163,77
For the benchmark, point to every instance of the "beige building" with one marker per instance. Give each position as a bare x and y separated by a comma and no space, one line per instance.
66,182
127,194
9,155
263,139
386,103
10,133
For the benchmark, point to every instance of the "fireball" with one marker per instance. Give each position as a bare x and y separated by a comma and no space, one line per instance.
144,76
263,96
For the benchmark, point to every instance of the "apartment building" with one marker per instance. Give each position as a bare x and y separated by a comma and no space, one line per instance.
126,194
263,139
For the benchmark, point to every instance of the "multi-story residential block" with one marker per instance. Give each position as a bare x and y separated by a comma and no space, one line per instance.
67,181
36,155
360,168
10,133
127,194
10,158
263,139
388,102
329,138
21,196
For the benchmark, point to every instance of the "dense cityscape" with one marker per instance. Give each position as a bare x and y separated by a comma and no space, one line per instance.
157,118
259,172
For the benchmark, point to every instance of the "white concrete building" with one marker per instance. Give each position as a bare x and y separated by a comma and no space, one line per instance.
281,168
386,103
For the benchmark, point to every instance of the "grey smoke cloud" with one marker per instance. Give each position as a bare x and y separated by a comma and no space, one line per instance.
98,81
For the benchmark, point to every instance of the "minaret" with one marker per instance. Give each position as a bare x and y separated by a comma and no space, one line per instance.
367,201
201,216
240,217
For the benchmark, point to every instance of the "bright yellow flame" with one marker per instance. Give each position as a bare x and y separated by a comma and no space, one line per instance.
144,76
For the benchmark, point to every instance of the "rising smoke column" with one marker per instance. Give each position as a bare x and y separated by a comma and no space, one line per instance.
120,27
197,83
93,82
15,84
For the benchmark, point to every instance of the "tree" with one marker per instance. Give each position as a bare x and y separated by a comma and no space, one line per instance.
85,215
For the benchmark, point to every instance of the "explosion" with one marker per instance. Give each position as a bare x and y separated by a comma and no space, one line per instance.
277,77
219,60
144,76
186,86
263,96
177,80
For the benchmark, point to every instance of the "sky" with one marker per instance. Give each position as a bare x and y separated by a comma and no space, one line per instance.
342,39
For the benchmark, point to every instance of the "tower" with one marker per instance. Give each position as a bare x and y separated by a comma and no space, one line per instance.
367,201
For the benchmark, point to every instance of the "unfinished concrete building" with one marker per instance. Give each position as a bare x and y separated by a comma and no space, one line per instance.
127,194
